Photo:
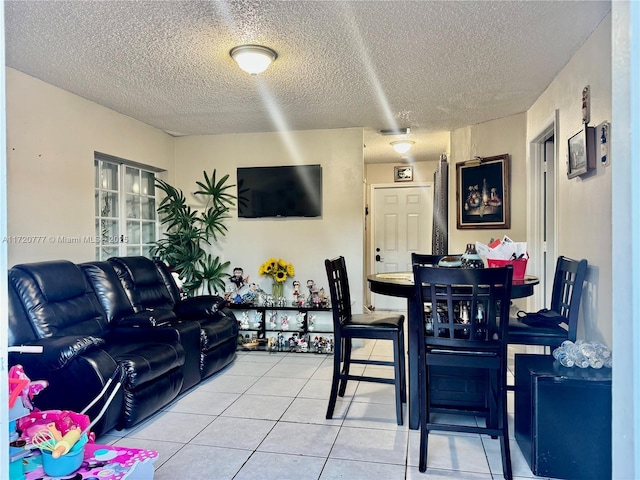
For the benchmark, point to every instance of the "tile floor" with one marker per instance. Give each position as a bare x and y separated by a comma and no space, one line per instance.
262,417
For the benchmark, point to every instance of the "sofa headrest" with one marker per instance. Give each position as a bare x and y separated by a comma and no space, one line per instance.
57,280
107,287
141,270
57,299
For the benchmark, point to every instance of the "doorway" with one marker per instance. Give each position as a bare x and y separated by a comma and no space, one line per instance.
543,237
402,219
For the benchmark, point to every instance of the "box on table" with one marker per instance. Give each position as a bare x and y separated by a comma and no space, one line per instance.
519,266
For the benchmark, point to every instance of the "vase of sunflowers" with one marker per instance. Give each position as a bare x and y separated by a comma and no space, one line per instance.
279,271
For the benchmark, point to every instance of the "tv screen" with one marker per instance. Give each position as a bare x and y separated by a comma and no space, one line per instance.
286,191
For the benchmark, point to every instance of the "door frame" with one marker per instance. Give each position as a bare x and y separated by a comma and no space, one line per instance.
535,214
370,254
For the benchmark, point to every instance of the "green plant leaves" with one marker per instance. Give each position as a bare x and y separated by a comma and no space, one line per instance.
187,229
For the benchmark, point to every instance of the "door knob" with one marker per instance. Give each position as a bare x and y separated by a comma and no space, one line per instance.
378,258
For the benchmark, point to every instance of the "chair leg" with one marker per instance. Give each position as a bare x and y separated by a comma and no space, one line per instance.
346,364
403,367
397,373
334,380
424,418
504,438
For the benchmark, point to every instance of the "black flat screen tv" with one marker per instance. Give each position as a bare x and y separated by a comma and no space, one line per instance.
285,191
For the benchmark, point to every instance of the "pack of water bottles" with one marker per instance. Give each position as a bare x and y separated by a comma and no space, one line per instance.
583,354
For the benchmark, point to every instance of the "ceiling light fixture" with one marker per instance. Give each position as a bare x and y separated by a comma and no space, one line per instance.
402,146
253,59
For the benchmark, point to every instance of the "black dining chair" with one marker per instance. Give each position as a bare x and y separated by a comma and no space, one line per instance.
550,327
466,329
348,326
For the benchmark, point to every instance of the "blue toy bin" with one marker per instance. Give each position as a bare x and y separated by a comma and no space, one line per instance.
64,464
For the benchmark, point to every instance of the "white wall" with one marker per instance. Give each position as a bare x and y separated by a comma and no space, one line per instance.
583,203
305,242
51,138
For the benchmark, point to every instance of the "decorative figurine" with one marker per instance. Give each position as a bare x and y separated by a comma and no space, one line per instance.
257,320
272,344
285,323
244,321
311,322
296,292
273,320
300,320
280,341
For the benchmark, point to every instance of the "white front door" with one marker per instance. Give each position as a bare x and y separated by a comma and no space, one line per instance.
402,222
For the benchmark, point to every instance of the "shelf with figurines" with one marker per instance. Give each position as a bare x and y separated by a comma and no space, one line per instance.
274,324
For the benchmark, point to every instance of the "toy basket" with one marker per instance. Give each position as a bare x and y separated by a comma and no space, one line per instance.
519,266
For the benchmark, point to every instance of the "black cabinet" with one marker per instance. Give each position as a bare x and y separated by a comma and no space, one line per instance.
319,339
563,418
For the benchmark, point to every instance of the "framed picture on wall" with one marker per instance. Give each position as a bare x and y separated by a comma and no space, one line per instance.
403,174
482,193
581,150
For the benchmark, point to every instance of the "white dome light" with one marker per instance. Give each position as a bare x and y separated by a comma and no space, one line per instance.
402,146
253,59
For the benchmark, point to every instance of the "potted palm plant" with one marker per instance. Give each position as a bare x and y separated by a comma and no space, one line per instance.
188,231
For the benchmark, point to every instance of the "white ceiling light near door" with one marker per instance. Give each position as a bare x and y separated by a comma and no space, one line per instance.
253,59
402,146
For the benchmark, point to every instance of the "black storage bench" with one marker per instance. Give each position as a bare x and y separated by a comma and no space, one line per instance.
563,418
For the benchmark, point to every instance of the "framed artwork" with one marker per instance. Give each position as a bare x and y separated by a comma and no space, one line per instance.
482,193
403,174
581,150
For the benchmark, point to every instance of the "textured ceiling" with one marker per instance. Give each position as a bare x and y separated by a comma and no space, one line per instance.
430,65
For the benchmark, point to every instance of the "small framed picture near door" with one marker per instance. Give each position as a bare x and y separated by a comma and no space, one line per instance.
403,174
581,150
482,193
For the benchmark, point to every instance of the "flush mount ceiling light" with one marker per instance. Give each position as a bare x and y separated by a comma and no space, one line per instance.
402,146
253,59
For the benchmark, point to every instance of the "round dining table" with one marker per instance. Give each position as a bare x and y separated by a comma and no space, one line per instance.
400,284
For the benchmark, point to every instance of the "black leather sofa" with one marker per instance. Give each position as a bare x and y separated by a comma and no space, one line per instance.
121,319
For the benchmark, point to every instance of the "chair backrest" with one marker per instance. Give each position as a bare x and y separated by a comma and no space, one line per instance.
465,308
567,291
425,259
339,291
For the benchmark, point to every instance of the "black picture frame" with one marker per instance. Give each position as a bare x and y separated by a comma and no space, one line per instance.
581,152
482,193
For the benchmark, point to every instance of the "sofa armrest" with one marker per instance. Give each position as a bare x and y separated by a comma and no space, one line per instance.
203,306
57,352
147,318
161,334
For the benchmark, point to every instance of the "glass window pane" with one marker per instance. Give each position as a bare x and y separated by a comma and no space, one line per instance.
132,180
133,250
148,232
146,251
109,176
96,202
96,174
148,205
109,204
133,206
133,232
109,232
148,183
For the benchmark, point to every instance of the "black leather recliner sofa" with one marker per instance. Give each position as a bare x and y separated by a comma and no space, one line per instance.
94,323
